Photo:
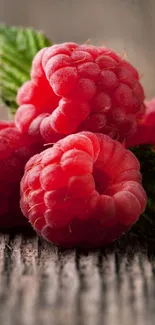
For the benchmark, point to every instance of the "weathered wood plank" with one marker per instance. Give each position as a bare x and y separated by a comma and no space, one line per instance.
41,284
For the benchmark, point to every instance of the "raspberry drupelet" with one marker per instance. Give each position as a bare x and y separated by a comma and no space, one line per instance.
80,87
15,150
85,191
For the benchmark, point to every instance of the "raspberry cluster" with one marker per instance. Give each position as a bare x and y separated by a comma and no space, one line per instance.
79,87
85,191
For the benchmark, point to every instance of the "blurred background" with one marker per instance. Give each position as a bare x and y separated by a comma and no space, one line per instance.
127,26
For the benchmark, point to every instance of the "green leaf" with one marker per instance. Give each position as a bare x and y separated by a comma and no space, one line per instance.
146,156
18,46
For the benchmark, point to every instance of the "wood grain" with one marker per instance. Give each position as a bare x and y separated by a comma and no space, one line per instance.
41,284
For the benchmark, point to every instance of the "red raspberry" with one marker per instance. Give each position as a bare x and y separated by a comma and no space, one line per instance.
84,191
15,150
81,87
145,133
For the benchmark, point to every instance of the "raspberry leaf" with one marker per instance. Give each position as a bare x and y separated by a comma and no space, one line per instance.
18,46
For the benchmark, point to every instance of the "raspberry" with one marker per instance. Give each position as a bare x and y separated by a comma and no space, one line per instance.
81,87
84,191
145,133
15,150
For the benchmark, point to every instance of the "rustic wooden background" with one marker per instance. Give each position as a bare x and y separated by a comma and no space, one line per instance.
40,284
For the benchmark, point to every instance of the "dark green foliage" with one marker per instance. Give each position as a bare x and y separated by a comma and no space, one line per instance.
146,156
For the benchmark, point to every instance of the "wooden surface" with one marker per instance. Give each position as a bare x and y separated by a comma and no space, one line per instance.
42,285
